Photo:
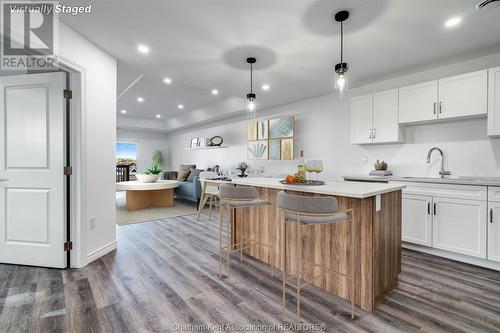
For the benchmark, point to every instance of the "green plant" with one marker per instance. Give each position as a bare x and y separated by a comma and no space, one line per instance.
158,159
154,170
242,166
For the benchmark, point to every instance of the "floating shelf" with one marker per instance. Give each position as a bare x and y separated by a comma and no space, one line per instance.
205,148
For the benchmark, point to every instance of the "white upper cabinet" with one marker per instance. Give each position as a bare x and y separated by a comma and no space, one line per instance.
361,119
463,95
374,118
385,117
418,103
494,102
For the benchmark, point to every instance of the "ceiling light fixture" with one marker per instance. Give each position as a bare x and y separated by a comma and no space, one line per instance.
180,106
140,99
453,22
167,80
266,87
123,111
342,67
158,116
251,107
143,49
215,92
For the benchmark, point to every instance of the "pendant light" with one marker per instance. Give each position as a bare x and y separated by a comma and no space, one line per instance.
251,106
341,84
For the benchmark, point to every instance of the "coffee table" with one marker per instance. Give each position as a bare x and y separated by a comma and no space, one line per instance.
142,195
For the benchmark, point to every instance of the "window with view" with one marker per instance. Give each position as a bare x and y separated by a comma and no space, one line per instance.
126,160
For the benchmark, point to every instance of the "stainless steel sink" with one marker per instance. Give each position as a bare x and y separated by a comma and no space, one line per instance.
454,178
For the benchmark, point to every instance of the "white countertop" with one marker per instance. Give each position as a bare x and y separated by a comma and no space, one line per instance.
478,181
341,188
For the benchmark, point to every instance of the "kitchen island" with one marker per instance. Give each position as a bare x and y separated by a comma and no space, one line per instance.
377,254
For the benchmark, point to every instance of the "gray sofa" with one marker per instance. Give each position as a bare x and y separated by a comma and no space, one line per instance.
189,189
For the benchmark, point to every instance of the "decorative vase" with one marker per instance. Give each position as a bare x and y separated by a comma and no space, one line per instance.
380,165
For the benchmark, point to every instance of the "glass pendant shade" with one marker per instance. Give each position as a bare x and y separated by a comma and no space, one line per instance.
341,84
251,107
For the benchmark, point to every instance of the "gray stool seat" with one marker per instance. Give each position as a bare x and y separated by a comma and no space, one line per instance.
247,203
309,219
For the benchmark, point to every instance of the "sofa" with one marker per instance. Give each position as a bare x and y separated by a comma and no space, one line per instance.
189,189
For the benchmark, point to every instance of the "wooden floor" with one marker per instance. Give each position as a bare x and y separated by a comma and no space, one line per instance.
164,274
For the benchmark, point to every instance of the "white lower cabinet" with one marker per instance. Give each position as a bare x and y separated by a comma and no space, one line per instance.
417,219
494,231
459,226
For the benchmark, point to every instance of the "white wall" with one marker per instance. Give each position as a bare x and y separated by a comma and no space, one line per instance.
147,143
323,131
98,131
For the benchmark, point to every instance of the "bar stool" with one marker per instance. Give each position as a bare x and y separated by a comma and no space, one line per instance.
307,211
234,197
210,193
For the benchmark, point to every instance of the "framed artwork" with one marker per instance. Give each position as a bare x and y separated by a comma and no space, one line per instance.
287,149
194,143
281,128
252,131
275,149
263,130
258,150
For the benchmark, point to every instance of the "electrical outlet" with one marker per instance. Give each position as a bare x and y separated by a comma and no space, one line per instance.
92,221
365,159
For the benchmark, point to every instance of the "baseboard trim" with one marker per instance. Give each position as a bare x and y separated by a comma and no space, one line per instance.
101,251
453,256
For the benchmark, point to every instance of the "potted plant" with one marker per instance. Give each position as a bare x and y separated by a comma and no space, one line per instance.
150,175
242,167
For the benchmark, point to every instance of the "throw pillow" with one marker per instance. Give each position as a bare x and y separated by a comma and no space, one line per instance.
187,167
194,173
183,175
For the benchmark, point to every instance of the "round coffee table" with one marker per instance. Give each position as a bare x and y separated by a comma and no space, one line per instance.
143,195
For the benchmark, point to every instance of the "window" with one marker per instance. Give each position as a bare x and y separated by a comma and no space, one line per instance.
126,155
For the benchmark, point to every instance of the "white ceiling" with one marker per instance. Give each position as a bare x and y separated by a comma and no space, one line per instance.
202,44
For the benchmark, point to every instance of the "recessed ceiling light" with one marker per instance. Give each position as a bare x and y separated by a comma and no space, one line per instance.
158,116
167,80
140,99
266,87
453,22
123,111
143,49
215,92
180,106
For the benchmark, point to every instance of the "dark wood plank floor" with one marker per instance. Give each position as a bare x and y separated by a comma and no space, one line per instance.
164,273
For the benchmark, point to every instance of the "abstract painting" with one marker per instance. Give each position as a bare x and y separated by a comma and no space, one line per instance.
252,131
258,150
274,149
263,130
281,128
287,149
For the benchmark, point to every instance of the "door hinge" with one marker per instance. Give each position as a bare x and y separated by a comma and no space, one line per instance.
68,94
68,246
68,171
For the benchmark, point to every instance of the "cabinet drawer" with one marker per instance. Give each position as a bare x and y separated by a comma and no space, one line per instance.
494,194
468,192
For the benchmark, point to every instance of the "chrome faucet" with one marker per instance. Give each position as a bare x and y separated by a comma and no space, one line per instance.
442,172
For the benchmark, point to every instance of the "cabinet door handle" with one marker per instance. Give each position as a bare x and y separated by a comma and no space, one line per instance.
428,208
491,215
370,133
374,133
435,107
435,208
440,107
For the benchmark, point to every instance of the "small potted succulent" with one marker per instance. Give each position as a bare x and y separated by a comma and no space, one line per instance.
150,175
242,167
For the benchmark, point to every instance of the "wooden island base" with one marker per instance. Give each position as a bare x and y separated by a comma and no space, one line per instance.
377,251
155,198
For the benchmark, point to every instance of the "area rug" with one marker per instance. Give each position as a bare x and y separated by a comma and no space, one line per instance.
124,217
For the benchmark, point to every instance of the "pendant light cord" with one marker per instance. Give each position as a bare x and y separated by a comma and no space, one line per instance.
251,78
341,42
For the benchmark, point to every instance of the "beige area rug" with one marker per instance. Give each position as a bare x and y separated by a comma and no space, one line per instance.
123,216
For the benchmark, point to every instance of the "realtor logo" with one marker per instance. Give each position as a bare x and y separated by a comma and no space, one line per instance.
29,35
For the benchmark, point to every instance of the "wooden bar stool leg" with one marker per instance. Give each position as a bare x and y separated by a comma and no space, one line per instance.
229,244
241,240
221,224
210,208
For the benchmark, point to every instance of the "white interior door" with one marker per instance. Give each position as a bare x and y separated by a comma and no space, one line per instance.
32,141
